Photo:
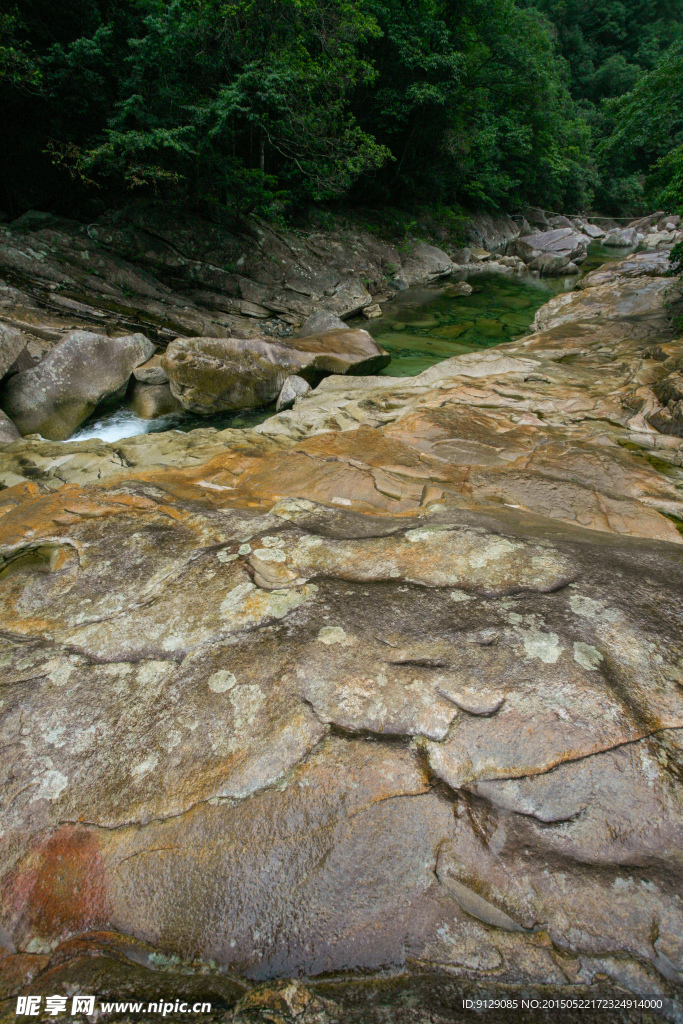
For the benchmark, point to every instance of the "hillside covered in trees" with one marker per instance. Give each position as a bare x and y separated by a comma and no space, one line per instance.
268,106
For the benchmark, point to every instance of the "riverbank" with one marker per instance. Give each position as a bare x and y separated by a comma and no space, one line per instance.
170,322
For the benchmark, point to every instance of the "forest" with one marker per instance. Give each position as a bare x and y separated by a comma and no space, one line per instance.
236,107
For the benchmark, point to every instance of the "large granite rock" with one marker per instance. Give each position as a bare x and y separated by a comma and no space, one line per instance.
424,263
57,395
320,323
213,375
551,252
624,237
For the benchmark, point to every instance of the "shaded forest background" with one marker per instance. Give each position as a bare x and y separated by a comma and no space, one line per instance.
233,107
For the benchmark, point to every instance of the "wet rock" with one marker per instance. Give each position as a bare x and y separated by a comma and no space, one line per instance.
669,391
151,372
148,401
372,312
8,431
551,265
294,387
57,395
12,344
425,263
208,375
458,288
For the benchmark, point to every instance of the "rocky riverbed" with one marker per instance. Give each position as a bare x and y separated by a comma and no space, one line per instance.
385,693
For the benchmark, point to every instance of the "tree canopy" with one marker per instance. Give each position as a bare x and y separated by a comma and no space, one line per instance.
270,105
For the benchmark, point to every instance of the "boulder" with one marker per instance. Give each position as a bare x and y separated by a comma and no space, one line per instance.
461,257
458,288
210,375
622,237
294,387
8,432
148,401
425,263
642,224
12,344
372,312
151,372
551,264
490,232
560,221
319,323
565,244
669,391
58,394
593,231
536,217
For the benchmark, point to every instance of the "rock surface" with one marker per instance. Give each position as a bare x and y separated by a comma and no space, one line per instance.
8,432
294,387
423,264
149,401
55,397
393,683
551,252
12,344
213,375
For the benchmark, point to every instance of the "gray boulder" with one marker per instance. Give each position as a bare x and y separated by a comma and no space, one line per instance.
58,394
12,344
549,264
8,432
294,387
645,223
462,256
536,217
551,252
560,222
593,231
425,263
320,323
624,237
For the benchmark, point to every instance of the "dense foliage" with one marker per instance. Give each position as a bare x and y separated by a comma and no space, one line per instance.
234,106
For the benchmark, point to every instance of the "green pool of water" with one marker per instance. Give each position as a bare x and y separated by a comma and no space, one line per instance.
423,326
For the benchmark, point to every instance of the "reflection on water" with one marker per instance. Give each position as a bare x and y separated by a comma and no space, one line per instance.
123,422
422,326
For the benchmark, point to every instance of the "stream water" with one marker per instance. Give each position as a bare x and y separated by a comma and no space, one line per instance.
420,327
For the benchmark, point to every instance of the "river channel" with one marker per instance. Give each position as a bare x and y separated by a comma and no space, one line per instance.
419,327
